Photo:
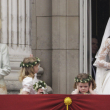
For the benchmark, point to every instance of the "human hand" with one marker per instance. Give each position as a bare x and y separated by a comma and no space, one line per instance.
90,88
77,90
31,55
40,91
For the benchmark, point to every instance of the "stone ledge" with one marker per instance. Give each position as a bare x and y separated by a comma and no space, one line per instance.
13,92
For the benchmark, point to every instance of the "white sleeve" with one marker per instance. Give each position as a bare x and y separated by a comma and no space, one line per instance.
27,84
5,70
100,61
72,92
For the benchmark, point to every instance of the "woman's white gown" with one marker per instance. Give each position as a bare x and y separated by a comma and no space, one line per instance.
103,69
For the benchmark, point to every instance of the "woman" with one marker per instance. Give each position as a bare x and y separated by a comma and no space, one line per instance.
4,67
103,64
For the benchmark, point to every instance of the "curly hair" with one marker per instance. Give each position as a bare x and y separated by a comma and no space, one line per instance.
27,71
82,76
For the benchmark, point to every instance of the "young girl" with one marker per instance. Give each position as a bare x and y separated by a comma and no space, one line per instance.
30,66
84,84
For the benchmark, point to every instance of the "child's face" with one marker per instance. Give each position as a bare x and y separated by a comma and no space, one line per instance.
36,68
83,87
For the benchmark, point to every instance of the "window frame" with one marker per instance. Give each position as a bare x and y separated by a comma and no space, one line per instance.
85,36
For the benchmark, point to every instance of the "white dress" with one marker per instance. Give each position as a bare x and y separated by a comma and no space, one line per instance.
103,69
78,93
28,85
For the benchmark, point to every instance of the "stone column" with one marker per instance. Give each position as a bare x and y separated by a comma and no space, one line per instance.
4,21
65,45
41,15
15,31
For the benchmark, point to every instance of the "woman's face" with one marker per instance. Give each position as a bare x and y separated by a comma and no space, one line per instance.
36,68
83,87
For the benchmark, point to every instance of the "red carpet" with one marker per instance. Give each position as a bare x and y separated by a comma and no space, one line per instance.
54,102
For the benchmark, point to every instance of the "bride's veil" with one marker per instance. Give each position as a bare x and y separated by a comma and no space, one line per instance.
105,36
100,71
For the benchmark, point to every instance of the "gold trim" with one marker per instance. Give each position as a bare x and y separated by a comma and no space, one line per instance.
67,101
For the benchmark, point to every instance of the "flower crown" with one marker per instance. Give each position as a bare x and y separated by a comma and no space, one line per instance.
29,64
83,80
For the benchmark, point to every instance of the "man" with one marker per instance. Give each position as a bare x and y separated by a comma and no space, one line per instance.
4,67
94,51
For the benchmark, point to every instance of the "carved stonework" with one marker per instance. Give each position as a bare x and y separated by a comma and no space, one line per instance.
16,32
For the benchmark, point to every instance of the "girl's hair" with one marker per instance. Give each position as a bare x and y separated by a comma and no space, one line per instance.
27,71
85,76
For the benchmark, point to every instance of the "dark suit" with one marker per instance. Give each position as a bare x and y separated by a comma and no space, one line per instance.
93,69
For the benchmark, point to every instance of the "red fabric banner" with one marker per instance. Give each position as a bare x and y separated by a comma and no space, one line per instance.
54,102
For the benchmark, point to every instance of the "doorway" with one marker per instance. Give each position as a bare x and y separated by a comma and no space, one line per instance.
100,15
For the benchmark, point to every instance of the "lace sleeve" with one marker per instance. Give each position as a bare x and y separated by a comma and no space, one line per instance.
100,62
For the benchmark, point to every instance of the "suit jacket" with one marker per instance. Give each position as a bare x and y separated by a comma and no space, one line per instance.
4,67
93,69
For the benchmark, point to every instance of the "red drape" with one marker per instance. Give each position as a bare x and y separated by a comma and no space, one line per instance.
54,102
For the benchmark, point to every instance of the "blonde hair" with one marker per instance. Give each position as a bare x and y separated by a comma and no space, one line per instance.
82,76
27,71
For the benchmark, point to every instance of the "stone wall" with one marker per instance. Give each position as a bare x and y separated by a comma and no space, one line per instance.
65,45
55,40
41,37
15,32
